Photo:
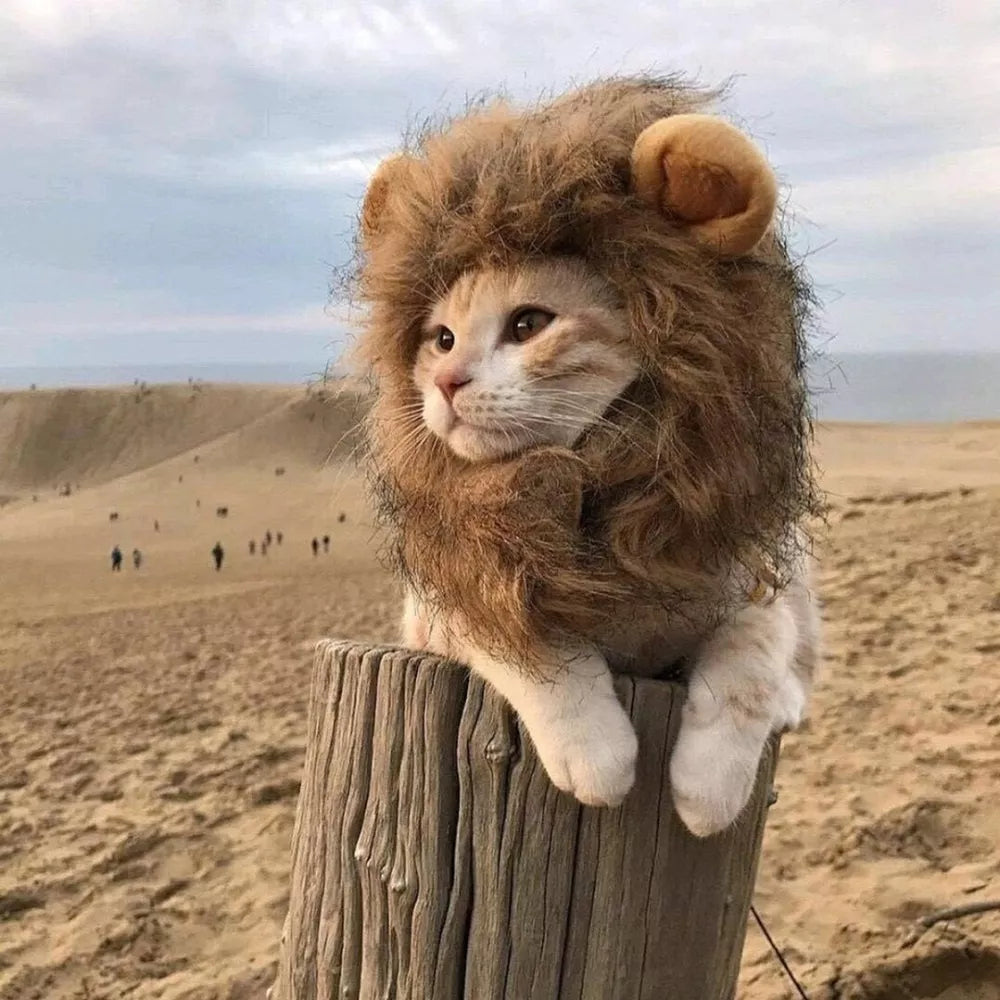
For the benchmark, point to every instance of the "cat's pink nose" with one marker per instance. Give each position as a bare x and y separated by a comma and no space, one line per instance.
450,382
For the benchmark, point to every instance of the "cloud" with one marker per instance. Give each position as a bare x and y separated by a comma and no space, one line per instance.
198,163
947,189
308,320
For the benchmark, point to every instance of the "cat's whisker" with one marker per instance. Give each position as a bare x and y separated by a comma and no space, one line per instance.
527,433
590,421
618,402
603,418
405,447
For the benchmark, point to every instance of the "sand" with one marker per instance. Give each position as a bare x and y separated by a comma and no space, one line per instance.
153,723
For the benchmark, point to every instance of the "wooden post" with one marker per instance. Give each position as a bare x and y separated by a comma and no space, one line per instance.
432,859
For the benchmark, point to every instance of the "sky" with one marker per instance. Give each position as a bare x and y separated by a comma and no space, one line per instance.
178,178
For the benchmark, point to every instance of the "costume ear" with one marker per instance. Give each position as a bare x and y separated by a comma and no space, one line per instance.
708,175
388,178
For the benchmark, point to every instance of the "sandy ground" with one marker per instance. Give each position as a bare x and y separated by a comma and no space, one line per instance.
153,720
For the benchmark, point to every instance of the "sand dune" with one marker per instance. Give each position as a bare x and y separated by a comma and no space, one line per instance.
154,719
50,437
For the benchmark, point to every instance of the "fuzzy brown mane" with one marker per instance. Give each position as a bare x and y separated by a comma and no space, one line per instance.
703,464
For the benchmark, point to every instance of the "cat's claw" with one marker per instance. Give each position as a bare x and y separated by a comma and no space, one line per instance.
592,756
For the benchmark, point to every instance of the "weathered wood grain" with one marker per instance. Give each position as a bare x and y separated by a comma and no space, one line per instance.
432,859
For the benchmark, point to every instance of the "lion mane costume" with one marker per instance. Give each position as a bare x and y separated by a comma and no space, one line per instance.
701,472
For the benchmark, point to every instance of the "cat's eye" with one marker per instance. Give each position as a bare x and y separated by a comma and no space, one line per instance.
444,339
525,323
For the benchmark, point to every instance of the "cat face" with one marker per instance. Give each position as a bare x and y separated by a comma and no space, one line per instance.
521,358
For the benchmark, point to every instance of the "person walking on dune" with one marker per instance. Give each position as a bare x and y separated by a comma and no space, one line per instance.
278,537
217,554
136,558
116,560
315,546
326,543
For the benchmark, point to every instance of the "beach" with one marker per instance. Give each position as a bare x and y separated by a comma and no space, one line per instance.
154,718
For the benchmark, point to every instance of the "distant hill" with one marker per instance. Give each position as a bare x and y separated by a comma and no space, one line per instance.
50,437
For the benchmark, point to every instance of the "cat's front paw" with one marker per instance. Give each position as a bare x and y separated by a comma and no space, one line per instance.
591,754
713,771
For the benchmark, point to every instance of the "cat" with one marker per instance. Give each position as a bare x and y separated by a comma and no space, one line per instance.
533,357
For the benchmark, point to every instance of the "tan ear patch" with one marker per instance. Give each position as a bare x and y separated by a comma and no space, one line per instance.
707,174
388,178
